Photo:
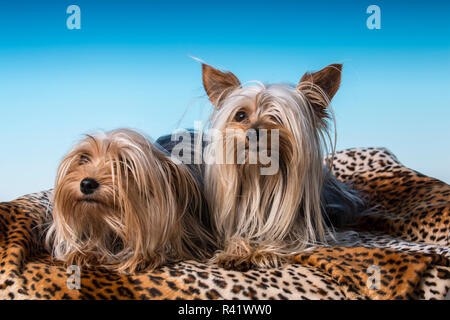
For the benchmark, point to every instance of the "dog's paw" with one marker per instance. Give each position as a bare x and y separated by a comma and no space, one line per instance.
267,260
233,262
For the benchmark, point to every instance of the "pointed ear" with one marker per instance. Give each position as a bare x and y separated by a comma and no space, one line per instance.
328,79
218,84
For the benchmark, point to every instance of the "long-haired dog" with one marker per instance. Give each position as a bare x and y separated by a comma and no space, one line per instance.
121,203
262,219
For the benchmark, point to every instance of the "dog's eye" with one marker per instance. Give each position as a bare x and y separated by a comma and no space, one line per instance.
274,119
240,116
124,164
83,159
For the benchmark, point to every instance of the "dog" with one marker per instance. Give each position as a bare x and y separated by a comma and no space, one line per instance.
121,203
262,220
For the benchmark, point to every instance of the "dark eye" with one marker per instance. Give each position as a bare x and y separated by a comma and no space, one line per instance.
124,164
274,119
84,159
240,116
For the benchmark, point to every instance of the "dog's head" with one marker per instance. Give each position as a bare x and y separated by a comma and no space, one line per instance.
105,176
252,114
118,201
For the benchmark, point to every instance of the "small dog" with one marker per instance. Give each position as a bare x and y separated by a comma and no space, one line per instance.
261,220
123,204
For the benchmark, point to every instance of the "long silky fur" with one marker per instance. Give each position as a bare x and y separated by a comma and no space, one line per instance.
274,216
149,210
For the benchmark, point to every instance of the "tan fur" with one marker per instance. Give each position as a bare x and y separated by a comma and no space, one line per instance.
144,214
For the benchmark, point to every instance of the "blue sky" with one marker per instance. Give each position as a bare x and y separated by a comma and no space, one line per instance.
129,66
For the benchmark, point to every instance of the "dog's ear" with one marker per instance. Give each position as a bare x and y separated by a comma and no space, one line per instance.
218,84
328,79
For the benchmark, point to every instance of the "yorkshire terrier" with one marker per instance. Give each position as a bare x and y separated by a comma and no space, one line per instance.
263,219
122,203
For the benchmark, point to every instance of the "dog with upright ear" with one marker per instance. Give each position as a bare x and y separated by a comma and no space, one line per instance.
262,219
324,82
218,84
320,87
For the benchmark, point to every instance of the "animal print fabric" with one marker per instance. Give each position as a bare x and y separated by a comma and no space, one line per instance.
398,250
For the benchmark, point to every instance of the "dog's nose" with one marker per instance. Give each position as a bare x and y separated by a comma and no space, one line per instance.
88,185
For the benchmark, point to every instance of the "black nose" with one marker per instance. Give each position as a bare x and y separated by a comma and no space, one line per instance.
88,185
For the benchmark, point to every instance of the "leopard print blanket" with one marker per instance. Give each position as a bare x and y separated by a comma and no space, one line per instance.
400,250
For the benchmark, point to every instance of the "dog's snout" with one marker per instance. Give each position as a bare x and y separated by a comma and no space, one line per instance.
88,185
254,133
257,133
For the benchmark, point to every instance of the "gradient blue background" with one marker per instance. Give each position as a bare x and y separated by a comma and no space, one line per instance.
129,66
